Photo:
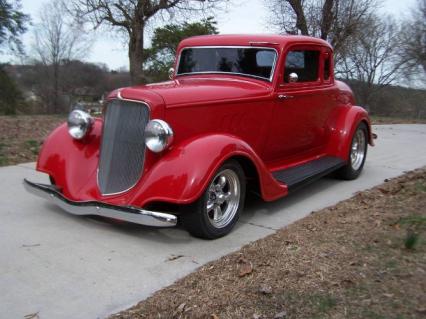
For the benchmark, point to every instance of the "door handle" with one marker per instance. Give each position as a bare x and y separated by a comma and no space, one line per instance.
285,97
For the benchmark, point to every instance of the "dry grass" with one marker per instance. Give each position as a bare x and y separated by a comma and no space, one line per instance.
346,261
20,136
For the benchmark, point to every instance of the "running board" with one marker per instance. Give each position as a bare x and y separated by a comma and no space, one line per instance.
300,175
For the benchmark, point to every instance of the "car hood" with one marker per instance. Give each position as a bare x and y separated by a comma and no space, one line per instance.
205,90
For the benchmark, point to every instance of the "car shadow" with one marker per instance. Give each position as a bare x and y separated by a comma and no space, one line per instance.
97,223
255,205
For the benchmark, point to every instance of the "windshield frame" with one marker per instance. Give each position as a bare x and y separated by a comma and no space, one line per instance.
229,73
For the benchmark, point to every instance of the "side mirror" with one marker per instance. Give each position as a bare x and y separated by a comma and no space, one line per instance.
292,77
171,73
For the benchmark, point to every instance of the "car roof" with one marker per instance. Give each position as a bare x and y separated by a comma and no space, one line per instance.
250,40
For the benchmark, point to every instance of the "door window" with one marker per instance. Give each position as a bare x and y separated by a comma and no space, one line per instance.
301,66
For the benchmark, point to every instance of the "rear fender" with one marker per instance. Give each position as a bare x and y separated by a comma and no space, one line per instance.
183,173
343,128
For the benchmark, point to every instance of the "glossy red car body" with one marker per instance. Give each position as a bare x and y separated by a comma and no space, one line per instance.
265,125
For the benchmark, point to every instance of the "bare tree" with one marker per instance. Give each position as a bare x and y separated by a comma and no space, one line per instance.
373,57
132,17
413,39
332,20
58,38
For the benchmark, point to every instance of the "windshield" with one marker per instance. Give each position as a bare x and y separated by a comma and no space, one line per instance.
256,62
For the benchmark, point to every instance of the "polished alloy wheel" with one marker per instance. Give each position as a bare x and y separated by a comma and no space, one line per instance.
217,210
223,198
358,149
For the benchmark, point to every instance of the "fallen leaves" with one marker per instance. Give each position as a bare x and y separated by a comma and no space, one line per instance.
311,227
265,289
280,315
181,307
347,282
180,310
393,190
174,257
245,267
421,310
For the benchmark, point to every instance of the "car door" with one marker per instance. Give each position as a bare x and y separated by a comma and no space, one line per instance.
303,102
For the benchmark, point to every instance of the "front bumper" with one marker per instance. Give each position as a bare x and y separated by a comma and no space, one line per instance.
125,213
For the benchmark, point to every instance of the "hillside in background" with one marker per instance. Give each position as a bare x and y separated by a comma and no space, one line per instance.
80,82
391,101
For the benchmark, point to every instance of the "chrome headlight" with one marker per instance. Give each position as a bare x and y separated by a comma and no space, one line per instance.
79,123
158,135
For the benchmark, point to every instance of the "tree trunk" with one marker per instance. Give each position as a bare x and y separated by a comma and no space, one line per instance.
327,18
136,54
55,87
301,24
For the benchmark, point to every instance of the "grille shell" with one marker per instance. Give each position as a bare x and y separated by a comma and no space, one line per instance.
122,155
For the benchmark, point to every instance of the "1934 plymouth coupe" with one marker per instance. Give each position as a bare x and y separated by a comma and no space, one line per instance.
241,112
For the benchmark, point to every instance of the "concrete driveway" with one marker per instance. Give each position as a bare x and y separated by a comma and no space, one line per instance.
62,266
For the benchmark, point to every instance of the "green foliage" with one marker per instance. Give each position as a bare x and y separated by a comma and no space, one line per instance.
3,159
370,314
411,240
421,187
159,58
414,220
33,146
416,225
10,96
12,25
323,303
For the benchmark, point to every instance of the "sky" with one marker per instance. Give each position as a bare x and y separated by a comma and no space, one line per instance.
242,16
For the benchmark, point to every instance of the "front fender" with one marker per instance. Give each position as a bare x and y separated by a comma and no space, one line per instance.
345,122
69,162
183,173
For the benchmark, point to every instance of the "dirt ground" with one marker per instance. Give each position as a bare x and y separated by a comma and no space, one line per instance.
20,136
363,258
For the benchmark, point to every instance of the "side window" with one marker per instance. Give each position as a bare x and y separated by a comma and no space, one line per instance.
301,66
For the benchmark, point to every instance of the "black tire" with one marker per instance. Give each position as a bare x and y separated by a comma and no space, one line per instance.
201,218
355,163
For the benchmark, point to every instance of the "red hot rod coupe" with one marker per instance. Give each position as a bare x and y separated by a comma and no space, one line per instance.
240,112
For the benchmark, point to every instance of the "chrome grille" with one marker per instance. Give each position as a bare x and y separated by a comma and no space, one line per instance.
123,146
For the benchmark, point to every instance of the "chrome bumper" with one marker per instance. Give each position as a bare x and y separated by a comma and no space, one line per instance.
129,214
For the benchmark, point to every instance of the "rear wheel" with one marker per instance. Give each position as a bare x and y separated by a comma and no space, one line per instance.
357,154
216,212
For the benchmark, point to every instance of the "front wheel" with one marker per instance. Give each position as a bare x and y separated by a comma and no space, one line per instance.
216,212
357,154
